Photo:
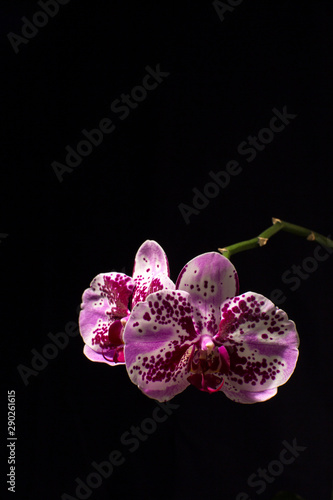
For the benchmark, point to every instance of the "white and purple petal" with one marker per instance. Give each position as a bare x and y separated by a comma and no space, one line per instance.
262,344
246,397
104,304
158,338
210,279
151,271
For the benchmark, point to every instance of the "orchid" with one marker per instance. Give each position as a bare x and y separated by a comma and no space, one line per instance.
203,334
106,305
196,332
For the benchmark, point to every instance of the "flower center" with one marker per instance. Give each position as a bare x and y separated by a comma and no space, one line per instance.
115,345
207,364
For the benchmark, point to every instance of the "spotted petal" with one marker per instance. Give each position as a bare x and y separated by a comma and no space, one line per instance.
246,397
158,338
210,279
103,305
151,271
262,344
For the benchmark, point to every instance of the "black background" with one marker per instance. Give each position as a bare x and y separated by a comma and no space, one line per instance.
225,79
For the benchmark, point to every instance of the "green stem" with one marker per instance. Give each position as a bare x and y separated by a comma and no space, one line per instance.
278,225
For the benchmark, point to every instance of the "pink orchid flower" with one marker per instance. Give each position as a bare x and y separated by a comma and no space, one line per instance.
202,334
106,305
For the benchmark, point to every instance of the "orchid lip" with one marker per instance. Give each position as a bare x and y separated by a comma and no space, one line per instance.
117,356
203,381
116,333
211,390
